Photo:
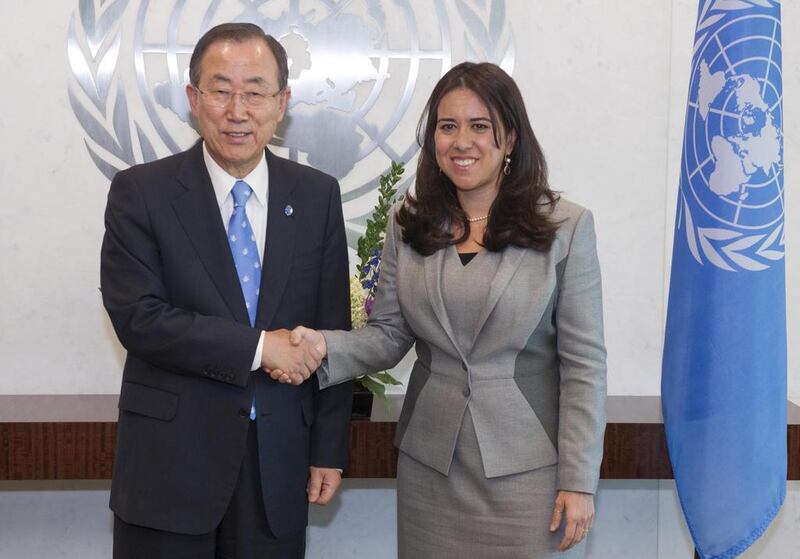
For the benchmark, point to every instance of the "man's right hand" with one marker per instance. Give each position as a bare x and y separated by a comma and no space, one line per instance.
280,354
301,337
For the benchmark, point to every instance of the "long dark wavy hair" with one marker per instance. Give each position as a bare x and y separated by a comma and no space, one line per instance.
520,214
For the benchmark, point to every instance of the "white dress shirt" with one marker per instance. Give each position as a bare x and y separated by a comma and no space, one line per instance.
256,210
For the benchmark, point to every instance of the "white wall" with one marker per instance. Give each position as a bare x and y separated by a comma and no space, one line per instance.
605,82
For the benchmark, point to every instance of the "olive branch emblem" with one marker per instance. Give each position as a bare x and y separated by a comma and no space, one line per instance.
714,10
484,41
93,49
746,251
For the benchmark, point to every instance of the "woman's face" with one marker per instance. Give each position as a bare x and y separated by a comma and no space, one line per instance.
464,142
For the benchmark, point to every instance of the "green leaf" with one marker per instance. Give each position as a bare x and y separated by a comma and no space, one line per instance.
373,237
375,387
387,378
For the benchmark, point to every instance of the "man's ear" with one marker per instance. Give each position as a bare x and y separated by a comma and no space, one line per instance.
286,94
193,96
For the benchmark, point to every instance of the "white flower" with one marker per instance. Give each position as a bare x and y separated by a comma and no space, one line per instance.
358,296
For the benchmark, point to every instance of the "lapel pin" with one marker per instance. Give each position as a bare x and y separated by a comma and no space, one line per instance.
288,211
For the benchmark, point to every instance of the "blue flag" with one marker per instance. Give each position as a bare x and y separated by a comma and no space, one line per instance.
723,383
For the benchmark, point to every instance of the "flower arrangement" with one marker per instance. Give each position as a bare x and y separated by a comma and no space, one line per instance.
364,285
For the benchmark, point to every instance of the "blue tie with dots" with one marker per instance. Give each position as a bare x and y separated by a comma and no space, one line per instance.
242,240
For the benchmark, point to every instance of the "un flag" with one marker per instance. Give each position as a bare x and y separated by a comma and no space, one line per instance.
723,383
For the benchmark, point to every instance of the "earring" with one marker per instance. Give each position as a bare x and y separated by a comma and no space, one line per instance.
507,168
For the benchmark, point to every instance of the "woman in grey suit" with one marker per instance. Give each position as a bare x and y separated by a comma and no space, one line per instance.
495,278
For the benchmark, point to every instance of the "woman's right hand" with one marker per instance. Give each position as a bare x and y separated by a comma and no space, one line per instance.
313,337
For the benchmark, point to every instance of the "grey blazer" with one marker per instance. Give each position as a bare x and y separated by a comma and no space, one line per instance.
534,378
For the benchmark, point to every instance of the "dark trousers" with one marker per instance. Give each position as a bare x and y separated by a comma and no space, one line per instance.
244,532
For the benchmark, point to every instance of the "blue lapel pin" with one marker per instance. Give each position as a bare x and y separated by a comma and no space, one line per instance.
288,211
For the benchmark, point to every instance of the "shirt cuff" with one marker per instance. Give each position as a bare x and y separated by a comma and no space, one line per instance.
259,352
323,376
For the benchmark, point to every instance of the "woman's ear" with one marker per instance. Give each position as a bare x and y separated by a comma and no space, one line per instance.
511,141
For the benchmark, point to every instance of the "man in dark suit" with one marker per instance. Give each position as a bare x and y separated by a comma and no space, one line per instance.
209,257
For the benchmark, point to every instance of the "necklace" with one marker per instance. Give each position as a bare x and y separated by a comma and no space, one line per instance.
474,219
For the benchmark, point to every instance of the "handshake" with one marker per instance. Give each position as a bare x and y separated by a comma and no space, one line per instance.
291,357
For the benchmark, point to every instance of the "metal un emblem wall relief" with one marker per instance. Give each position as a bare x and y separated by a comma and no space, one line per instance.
360,72
731,190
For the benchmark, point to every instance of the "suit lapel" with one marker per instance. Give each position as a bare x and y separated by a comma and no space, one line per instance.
279,246
434,271
509,264
198,213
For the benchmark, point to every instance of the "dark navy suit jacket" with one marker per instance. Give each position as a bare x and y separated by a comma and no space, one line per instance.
171,290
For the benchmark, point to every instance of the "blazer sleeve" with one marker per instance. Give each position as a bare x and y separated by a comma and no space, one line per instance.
330,430
138,302
385,339
582,356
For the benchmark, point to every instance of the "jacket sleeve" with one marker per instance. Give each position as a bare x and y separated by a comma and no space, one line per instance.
582,356
385,339
330,430
137,300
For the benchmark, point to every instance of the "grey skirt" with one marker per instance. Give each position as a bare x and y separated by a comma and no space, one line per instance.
464,515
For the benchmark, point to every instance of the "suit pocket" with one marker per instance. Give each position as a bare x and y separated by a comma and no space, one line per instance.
149,401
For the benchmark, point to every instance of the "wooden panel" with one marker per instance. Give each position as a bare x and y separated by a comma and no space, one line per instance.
794,452
372,451
58,451
635,451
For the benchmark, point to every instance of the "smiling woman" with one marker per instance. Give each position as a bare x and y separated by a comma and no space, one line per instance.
479,159
468,148
471,152
496,281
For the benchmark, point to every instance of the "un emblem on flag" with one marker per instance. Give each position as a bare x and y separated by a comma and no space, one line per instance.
732,167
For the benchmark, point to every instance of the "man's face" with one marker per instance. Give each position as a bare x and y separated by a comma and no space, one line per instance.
237,133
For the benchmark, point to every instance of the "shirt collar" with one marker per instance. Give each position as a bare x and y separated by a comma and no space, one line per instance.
258,178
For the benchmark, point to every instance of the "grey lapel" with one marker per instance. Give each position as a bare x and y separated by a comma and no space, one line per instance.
434,270
509,264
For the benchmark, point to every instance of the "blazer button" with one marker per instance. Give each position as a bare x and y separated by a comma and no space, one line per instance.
463,365
466,392
244,412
